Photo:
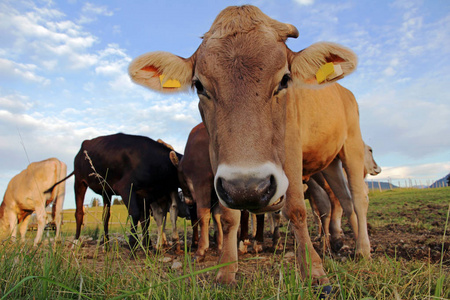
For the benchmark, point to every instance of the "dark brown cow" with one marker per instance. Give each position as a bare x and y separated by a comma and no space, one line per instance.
197,183
134,167
268,131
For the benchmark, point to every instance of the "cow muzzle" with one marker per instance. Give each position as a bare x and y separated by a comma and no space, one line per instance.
256,189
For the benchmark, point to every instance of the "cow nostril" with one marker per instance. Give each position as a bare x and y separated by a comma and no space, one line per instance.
221,191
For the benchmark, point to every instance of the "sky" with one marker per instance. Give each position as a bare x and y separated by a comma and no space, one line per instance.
64,79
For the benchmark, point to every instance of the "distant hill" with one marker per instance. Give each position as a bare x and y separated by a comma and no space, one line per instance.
441,182
375,185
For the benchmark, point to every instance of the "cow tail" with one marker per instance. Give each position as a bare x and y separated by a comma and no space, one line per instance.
62,180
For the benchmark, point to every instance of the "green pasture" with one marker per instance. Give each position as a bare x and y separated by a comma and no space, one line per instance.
56,272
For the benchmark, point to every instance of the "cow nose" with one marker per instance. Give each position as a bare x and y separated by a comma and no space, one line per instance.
255,188
250,193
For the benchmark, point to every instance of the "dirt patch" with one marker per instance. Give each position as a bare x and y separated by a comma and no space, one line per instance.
409,242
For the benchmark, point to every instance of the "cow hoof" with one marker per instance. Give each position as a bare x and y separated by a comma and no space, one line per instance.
336,245
257,247
325,291
242,247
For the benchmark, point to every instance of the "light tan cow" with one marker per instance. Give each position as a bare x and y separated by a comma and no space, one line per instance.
329,196
271,124
25,194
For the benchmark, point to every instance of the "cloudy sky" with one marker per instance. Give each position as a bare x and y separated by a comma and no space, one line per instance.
63,75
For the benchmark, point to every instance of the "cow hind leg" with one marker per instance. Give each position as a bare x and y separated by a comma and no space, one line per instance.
41,217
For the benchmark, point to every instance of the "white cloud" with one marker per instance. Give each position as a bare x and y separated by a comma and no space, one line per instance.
10,69
15,103
422,172
90,12
304,2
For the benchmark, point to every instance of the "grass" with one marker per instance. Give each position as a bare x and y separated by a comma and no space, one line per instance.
53,272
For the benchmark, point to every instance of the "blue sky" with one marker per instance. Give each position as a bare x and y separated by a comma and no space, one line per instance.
63,75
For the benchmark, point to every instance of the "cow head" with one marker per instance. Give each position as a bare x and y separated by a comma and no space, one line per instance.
370,165
242,73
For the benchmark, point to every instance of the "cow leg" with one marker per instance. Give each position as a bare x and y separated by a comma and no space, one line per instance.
125,190
23,226
336,179
106,216
353,160
230,223
173,218
275,220
253,224
194,224
145,224
217,214
336,232
320,200
80,190
204,203
41,217
204,215
244,241
258,244
159,214
295,211
12,217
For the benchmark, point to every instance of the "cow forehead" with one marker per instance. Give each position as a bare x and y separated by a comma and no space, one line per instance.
257,54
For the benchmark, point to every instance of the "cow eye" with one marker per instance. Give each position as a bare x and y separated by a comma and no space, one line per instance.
283,83
199,87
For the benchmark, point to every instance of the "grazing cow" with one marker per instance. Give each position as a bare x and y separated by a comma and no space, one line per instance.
26,193
197,183
268,130
327,207
178,209
136,168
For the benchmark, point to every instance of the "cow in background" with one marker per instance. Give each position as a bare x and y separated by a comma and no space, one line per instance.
328,202
136,168
197,183
178,209
26,194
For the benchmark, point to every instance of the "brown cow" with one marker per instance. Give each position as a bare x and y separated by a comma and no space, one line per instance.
197,183
26,193
268,131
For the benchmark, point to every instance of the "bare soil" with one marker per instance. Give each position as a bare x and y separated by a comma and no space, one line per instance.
393,240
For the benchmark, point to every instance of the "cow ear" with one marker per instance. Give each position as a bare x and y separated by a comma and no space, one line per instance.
322,63
162,71
174,158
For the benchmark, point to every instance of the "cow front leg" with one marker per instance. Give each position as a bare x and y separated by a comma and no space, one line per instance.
105,217
204,215
23,226
310,262
230,224
173,210
217,215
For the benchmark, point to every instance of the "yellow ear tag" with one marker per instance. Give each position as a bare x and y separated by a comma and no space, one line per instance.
171,83
328,71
